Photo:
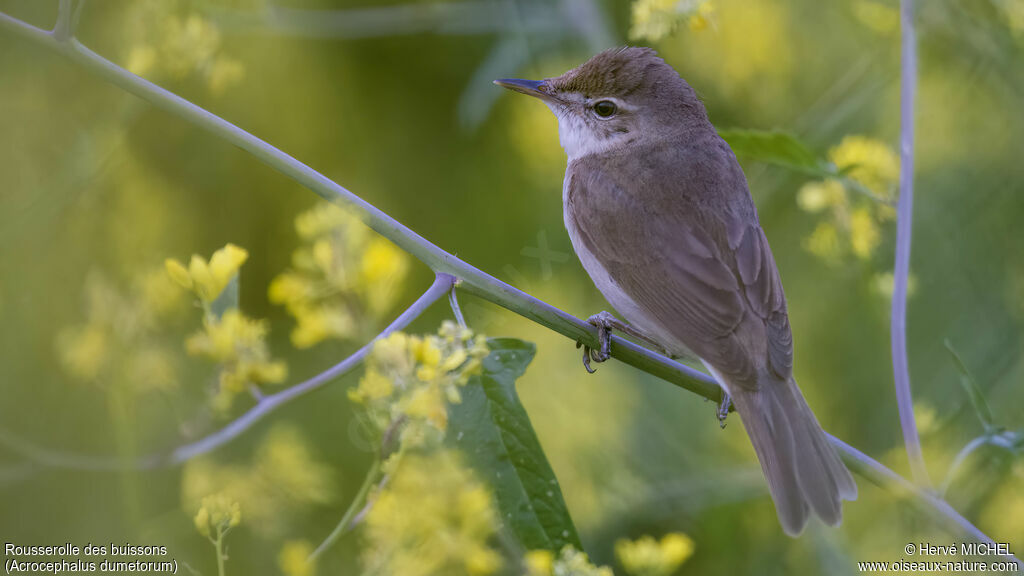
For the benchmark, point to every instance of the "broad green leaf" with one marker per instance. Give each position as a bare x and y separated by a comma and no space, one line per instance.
492,429
228,299
974,392
778,148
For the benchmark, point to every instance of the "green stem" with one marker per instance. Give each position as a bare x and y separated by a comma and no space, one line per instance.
219,546
353,508
471,279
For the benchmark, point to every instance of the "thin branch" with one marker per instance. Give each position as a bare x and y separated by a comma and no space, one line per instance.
77,16
924,500
472,279
961,457
442,284
453,301
62,29
358,503
904,229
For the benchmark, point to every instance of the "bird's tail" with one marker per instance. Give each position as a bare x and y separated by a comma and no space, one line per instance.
803,470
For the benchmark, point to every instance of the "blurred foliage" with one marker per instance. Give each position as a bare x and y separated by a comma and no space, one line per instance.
342,284
97,189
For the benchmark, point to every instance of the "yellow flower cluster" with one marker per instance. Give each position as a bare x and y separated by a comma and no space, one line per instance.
234,341
868,161
217,514
415,378
283,479
433,518
294,559
569,562
208,279
118,346
649,557
883,284
656,19
344,276
238,345
852,226
166,38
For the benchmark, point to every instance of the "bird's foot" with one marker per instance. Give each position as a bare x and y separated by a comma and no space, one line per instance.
604,322
723,409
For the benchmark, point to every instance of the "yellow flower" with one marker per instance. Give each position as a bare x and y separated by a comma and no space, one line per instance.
83,350
152,368
276,488
819,195
656,19
417,378
217,514
120,345
649,557
427,403
223,73
883,284
869,161
294,559
824,242
701,18
382,261
864,234
165,37
238,344
433,517
178,273
322,219
285,463
208,279
141,59
426,352
344,274
157,293
572,562
539,562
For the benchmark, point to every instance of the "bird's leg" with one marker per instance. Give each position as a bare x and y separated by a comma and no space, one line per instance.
723,408
605,322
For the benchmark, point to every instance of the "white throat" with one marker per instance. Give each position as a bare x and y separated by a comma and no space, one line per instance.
577,139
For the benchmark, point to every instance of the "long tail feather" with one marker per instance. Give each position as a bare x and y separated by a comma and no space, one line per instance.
803,470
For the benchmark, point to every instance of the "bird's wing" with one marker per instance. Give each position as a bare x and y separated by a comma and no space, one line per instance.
676,230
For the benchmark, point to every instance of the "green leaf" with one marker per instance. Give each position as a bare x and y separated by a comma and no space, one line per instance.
778,148
974,392
492,429
228,299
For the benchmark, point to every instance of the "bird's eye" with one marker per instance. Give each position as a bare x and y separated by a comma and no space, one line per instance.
605,108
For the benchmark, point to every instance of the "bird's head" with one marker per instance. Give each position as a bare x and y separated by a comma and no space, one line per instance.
618,97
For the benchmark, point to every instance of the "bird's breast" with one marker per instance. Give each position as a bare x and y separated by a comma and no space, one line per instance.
624,304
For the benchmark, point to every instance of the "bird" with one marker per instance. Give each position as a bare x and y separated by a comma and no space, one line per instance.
660,215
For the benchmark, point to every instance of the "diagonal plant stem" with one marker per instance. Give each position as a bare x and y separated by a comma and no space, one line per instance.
904,229
267,404
347,520
441,286
471,279
924,500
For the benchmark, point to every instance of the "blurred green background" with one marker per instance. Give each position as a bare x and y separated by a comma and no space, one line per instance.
394,102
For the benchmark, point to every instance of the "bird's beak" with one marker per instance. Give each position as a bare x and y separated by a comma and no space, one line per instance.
536,88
